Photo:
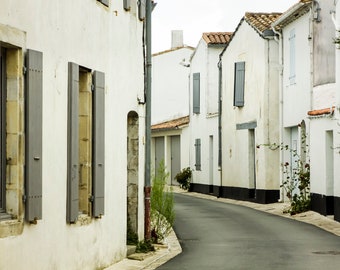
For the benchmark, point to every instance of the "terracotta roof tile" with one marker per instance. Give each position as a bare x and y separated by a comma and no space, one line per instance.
217,37
321,111
172,124
261,21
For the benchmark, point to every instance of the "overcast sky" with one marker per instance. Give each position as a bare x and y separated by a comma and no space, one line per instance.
197,16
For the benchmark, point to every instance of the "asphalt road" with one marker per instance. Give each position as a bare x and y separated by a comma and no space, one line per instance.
216,235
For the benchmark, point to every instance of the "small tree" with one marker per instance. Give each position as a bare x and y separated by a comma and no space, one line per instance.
162,205
184,178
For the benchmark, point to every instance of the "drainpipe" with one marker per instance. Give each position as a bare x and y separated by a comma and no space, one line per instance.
147,187
220,123
280,42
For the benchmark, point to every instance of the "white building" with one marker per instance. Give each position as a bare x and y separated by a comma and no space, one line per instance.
204,106
308,94
71,75
170,107
250,111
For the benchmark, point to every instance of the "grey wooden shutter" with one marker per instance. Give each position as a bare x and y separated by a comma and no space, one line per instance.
98,143
33,144
198,154
104,2
292,72
196,92
141,9
127,5
73,144
239,84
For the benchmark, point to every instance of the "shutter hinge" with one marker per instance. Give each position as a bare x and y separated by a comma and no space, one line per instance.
24,70
92,87
24,198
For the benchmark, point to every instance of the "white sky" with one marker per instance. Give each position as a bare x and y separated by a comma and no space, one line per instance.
197,16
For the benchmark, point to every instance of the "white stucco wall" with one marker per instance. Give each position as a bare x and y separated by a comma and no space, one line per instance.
261,105
105,39
170,95
204,125
297,96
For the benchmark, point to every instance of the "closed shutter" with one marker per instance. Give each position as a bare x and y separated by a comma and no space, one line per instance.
33,144
141,9
292,72
98,143
104,2
198,154
72,144
127,4
196,93
239,84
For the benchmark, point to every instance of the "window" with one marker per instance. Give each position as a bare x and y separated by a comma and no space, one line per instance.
2,129
239,77
196,93
292,71
20,155
85,143
198,154
104,2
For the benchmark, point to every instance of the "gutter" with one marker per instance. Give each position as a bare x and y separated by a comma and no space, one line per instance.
219,65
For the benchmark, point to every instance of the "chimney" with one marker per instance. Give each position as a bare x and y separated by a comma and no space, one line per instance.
176,39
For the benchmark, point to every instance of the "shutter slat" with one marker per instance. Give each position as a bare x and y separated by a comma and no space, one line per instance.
196,93
33,145
98,143
73,144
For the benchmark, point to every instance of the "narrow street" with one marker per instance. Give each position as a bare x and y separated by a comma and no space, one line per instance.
216,235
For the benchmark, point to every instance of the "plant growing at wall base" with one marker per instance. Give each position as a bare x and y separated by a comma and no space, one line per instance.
131,236
296,182
162,205
184,178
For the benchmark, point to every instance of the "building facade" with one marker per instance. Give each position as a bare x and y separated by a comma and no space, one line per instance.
170,107
250,111
204,108
71,77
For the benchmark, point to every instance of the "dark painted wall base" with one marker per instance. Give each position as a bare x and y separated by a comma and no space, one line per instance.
237,193
322,204
337,208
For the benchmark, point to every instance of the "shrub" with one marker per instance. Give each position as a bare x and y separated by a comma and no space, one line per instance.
162,205
296,178
184,178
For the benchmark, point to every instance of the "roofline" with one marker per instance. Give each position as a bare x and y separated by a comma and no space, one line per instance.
173,49
285,16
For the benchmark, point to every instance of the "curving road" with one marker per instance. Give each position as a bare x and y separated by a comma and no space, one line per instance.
216,235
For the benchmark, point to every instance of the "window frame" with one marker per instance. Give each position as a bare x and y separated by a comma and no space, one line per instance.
198,154
95,125
292,56
239,83
3,97
196,93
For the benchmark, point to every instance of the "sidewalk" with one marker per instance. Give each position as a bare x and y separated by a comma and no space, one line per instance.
172,248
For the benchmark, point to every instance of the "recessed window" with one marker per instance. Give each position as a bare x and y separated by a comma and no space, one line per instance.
85,143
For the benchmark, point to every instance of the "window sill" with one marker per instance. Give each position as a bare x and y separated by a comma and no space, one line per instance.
11,228
83,220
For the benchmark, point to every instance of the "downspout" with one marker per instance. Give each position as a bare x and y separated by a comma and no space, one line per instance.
219,65
280,42
147,185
